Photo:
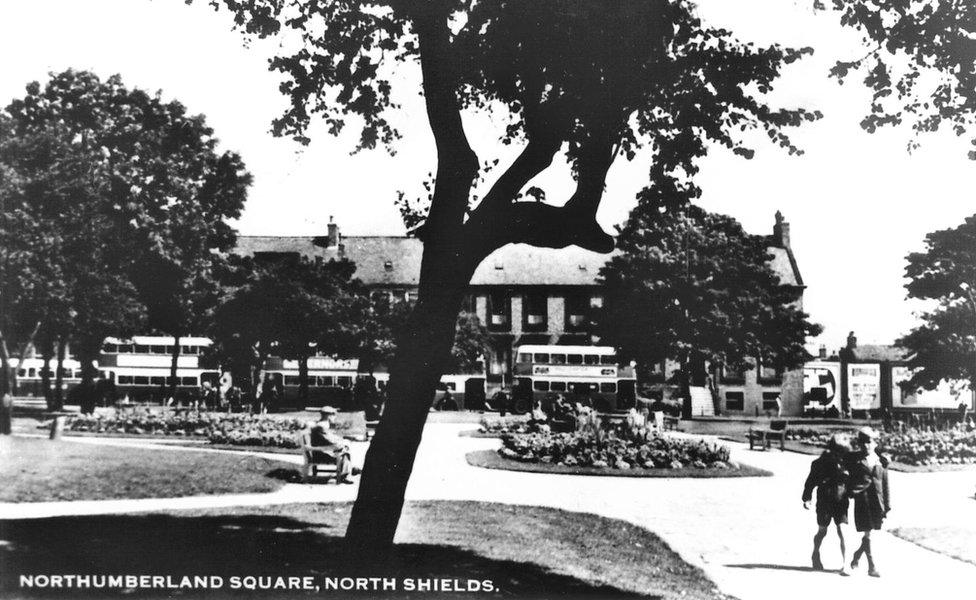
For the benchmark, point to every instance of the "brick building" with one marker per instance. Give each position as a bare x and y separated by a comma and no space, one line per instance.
528,295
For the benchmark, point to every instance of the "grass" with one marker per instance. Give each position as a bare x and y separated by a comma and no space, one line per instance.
40,470
959,542
490,459
525,552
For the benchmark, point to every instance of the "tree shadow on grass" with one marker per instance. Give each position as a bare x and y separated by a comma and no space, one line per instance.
801,568
249,544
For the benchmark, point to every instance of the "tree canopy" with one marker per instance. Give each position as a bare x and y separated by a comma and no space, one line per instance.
690,285
124,199
943,346
920,63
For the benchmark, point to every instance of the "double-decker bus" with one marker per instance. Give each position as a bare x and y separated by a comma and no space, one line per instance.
30,374
587,374
140,367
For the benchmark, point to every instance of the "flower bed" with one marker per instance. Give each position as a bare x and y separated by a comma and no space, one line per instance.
620,449
911,447
217,428
501,427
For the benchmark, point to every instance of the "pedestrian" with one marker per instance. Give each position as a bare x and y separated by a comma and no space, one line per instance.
828,473
868,485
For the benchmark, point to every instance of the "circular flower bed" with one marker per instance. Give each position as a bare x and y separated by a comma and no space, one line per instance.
911,447
638,449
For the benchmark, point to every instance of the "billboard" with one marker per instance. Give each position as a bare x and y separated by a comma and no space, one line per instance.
864,385
821,385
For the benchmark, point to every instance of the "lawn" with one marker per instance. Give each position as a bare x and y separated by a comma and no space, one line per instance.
525,552
490,459
39,470
957,541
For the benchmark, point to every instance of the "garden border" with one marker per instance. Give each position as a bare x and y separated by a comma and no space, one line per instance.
490,459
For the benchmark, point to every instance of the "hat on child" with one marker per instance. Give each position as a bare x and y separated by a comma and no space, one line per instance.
867,433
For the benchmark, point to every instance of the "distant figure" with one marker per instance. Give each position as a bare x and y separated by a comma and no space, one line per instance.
828,473
327,445
779,406
538,415
234,398
869,488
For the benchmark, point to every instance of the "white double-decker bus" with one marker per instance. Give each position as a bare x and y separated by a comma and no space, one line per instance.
588,374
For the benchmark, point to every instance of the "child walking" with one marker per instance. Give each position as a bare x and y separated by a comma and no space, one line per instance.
869,488
829,475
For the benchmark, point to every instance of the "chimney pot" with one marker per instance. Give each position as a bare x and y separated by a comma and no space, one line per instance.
333,234
781,230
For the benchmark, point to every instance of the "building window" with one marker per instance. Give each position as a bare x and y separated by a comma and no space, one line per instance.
735,400
732,375
535,316
577,312
769,373
388,265
499,312
769,400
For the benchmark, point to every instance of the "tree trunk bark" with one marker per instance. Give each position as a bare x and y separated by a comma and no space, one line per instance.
421,357
59,375
5,380
173,365
50,399
303,379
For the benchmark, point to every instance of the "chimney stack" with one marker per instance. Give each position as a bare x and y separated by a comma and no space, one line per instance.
781,231
823,352
333,234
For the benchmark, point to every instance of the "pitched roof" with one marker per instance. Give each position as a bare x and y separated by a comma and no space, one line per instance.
880,353
395,260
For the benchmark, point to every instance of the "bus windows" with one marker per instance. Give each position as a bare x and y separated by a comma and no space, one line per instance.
609,359
344,381
157,380
591,359
540,386
189,349
325,381
141,349
125,348
125,379
525,357
140,380
110,348
292,380
608,388
558,359
574,359
542,359
557,386
188,381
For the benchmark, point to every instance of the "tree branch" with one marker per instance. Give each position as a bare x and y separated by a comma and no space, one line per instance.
457,164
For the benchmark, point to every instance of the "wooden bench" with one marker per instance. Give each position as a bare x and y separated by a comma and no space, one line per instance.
671,423
763,436
371,428
314,464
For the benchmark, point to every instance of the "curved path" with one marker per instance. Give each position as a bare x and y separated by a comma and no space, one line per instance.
750,535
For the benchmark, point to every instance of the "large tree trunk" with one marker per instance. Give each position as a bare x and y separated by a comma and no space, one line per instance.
421,357
173,364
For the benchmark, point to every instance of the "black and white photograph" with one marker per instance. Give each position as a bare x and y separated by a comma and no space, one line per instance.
488,299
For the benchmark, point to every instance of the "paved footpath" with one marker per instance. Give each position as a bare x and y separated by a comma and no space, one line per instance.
750,535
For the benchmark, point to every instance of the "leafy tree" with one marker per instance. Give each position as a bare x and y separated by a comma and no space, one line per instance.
943,347
293,307
921,62
693,286
599,79
132,189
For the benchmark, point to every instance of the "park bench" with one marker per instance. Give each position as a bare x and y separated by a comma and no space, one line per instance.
763,436
314,464
671,423
371,428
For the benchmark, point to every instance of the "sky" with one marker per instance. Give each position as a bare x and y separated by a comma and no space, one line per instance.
857,203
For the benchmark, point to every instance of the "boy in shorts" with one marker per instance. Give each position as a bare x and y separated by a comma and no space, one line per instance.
829,475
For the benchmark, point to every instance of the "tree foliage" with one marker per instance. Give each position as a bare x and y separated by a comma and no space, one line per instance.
123,198
920,64
294,308
943,346
690,285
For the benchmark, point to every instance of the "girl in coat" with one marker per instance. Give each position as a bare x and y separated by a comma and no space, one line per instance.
868,486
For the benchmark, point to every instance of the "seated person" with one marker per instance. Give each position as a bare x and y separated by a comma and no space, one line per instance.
538,416
330,447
